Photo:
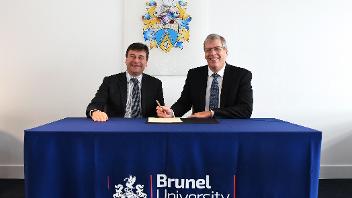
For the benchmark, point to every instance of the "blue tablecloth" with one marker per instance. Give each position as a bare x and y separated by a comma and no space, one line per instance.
128,158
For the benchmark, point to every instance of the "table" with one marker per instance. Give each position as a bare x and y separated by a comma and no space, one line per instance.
128,158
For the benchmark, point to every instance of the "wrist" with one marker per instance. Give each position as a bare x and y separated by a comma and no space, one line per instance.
92,111
211,113
172,114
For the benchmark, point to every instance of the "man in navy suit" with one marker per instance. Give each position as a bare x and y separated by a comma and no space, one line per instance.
130,94
214,90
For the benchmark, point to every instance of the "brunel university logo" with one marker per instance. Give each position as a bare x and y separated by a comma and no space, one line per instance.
129,190
166,187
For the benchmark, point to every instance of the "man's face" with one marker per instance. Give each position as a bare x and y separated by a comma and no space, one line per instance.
136,61
215,54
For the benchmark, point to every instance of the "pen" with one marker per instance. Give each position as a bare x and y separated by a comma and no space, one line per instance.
157,102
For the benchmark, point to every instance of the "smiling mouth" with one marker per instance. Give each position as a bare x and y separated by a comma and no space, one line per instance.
213,59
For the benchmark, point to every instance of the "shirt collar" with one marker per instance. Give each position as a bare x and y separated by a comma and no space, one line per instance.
220,72
128,76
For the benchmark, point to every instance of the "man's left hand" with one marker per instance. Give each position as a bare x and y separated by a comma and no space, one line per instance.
203,114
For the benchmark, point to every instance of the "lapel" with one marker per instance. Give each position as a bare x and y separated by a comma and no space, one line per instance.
203,86
144,93
122,83
226,84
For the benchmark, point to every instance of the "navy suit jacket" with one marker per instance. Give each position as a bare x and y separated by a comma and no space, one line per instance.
112,96
236,99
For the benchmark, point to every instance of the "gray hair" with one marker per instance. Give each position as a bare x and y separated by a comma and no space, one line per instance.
212,37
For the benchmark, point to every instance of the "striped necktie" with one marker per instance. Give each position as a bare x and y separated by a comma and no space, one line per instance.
135,107
214,92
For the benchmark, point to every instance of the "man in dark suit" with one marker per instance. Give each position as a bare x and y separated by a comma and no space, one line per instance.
130,94
215,90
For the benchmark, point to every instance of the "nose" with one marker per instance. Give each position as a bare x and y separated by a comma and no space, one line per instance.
135,59
213,51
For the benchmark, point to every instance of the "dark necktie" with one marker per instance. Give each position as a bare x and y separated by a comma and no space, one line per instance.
135,107
214,92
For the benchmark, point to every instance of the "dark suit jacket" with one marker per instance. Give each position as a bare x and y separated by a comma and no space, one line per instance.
236,99
112,96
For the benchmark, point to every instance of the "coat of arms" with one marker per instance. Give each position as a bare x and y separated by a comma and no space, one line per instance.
166,24
129,191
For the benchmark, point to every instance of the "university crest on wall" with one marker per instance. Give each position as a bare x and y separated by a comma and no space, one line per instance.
166,24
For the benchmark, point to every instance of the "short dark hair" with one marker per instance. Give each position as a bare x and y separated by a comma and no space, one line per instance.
138,47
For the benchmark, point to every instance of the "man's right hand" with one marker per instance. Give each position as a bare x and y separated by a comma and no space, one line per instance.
99,116
164,112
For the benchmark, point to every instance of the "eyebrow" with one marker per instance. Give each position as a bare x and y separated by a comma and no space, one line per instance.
213,47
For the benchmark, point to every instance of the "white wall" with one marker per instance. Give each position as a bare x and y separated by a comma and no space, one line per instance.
54,54
300,55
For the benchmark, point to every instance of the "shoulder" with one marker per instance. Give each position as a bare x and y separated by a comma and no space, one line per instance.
150,78
115,77
237,70
199,70
119,75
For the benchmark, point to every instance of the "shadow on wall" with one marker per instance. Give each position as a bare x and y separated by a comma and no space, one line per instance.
11,150
338,144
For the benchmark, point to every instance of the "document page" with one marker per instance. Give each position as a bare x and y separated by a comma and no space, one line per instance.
164,120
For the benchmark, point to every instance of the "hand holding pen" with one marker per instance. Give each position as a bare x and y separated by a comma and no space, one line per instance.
163,111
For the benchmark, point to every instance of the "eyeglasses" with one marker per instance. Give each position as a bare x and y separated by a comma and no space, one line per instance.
216,49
